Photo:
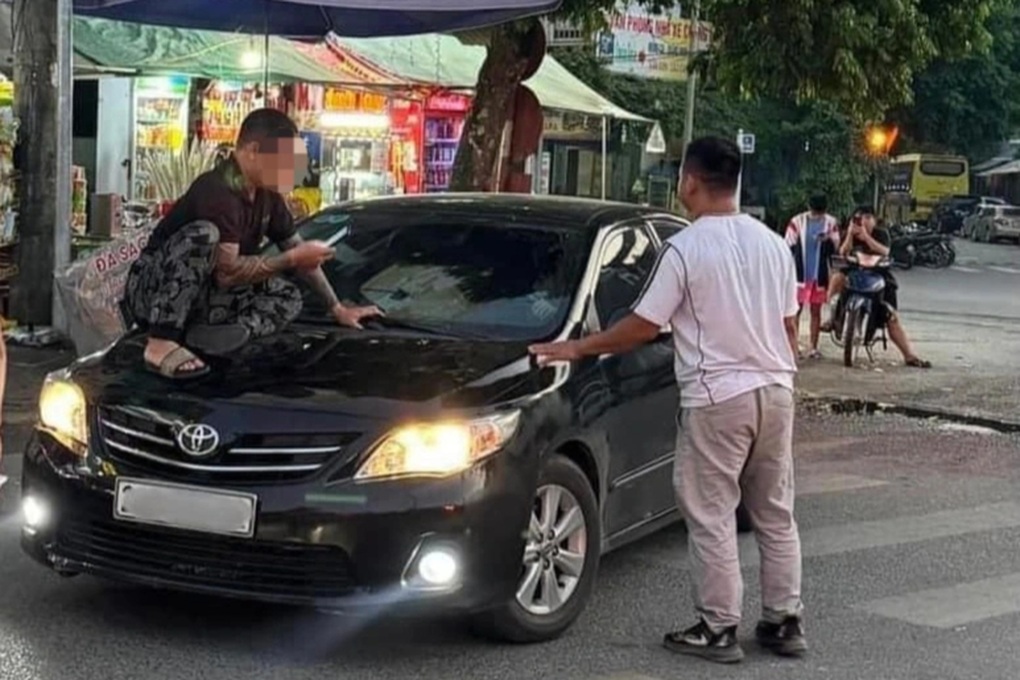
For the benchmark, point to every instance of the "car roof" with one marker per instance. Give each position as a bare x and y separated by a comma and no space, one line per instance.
562,210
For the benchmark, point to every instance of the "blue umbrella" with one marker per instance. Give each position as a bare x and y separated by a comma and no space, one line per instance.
316,18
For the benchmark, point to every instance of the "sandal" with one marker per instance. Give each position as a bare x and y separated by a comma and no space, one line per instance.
916,362
172,362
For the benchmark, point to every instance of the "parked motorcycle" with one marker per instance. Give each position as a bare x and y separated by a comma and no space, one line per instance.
913,245
857,321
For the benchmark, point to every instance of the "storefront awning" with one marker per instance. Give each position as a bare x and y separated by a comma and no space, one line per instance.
156,50
83,66
447,62
314,18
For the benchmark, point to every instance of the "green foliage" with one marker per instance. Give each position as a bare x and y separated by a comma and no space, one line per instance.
592,13
861,55
802,149
970,105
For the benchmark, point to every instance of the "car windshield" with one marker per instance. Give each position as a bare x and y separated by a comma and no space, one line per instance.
456,274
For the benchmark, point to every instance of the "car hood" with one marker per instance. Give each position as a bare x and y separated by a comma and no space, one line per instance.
382,374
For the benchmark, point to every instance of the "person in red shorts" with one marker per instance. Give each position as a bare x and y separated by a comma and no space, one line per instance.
813,236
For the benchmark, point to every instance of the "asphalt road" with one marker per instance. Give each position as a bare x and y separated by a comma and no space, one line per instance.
983,282
910,534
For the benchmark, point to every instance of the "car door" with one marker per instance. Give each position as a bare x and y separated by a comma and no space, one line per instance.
640,421
666,226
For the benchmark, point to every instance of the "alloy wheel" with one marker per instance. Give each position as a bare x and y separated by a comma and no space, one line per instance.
554,555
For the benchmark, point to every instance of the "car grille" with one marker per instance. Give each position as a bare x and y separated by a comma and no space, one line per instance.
145,440
267,569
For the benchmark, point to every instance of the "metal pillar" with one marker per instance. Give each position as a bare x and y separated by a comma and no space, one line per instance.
605,152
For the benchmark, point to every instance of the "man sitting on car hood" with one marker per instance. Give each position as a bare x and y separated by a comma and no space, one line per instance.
201,281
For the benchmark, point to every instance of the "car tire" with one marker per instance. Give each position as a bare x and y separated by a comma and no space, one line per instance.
512,621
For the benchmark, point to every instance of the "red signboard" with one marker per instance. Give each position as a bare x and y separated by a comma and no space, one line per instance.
454,103
406,127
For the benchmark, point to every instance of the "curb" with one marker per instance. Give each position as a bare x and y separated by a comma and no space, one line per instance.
847,404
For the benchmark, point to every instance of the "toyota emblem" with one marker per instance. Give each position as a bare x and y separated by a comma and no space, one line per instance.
198,440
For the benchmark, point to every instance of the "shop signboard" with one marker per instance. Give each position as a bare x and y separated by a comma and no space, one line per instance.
448,102
341,100
559,125
649,45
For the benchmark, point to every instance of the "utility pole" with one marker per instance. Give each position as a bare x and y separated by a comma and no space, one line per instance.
692,77
42,98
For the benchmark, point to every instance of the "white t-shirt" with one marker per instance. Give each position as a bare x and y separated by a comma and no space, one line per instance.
725,283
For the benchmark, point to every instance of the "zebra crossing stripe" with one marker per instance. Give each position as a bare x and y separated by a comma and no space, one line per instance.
967,270
954,606
829,540
1005,270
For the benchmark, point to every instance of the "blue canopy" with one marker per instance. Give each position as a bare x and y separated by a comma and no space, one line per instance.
316,18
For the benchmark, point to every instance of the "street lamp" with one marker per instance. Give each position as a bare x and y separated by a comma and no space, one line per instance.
880,141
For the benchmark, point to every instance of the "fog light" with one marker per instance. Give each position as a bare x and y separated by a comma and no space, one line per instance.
35,512
438,567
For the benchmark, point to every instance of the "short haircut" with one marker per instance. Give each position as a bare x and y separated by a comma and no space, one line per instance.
715,161
266,125
864,211
818,203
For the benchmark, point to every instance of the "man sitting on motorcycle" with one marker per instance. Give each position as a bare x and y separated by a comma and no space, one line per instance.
862,237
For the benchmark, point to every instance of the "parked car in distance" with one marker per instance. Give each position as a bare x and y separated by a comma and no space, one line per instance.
996,223
423,462
950,214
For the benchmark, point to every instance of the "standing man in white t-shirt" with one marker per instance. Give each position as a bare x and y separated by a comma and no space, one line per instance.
728,287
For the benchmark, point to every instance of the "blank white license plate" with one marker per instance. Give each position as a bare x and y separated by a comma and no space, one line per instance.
185,507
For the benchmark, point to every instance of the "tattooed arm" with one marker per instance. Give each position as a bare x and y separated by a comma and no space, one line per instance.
234,269
315,278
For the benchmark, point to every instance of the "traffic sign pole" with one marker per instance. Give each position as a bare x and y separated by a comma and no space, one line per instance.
740,176
746,143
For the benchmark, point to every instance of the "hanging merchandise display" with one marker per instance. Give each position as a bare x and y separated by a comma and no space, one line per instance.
225,105
355,152
444,123
79,200
161,125
8,138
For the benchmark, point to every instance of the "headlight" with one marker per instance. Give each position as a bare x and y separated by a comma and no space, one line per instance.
62,410
438,449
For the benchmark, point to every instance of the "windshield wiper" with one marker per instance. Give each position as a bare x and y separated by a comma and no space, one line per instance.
404,324
321,318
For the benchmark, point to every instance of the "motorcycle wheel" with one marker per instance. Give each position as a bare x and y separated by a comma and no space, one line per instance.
950,253
855,324
940,256
907,262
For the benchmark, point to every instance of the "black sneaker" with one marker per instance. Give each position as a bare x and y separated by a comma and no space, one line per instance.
699,640
785,639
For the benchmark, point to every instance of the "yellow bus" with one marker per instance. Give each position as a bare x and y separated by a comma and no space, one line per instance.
927,178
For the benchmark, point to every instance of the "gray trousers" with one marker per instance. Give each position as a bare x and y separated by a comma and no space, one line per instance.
740,449
172,287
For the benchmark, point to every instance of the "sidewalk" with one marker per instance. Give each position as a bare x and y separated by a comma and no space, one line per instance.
975,370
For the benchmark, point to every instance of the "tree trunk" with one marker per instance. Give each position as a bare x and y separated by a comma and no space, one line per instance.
507,60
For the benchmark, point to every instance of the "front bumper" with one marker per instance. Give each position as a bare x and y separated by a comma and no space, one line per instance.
338,546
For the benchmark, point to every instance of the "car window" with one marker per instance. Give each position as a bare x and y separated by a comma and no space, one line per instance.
624,265
666,228
474,276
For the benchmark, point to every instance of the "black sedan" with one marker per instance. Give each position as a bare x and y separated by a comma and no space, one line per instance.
423,462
